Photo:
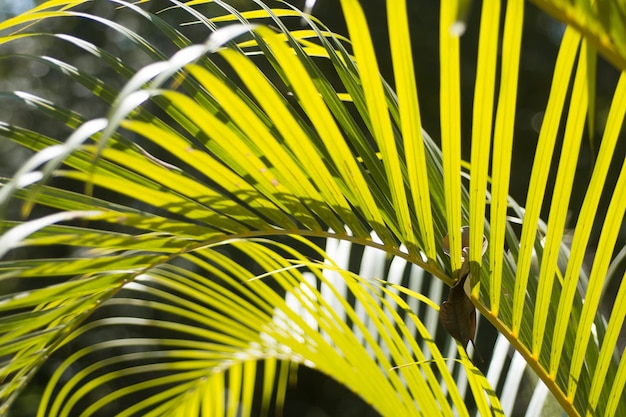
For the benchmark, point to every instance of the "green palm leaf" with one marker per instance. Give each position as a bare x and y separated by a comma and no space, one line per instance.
209,185
602,23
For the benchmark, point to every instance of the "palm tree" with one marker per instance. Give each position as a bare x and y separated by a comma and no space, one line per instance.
265,201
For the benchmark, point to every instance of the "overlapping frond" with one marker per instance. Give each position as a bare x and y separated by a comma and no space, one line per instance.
191,210
603,22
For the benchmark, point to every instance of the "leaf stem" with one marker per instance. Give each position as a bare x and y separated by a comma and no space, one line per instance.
531,360
429,267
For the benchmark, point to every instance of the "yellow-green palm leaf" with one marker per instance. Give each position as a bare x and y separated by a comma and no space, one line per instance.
205,212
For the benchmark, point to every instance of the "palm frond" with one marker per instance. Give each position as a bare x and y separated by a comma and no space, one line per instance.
209,184
601,22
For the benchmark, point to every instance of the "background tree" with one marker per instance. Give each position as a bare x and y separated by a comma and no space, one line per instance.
205,208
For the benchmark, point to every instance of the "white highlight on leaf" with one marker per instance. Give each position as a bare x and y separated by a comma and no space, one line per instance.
141,77
339,252
308,6
457,28
14,236
302,300
52,156
28,178
31,99
510,389
538,400
226,34
498,359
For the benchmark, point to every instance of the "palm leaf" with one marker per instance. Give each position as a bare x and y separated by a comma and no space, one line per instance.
602,22
191,170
